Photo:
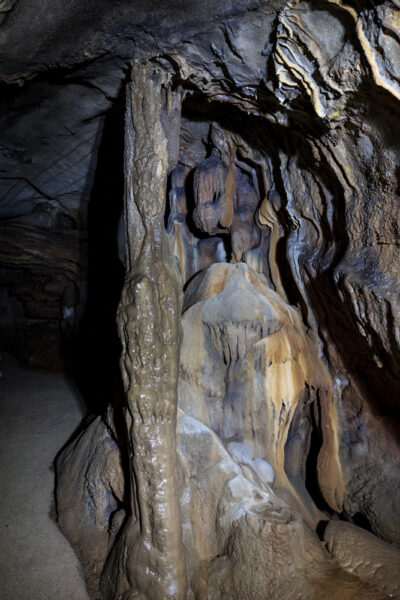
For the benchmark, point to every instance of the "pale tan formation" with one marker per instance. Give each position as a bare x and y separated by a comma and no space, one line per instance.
249,376
247,521
255,375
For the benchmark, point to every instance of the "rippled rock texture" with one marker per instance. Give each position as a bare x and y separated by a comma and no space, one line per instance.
256,451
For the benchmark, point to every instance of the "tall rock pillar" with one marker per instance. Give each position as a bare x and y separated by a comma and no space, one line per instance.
147,562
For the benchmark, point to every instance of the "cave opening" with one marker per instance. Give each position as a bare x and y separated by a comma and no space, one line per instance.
95,348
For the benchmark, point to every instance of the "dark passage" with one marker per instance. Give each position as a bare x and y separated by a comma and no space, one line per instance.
96,348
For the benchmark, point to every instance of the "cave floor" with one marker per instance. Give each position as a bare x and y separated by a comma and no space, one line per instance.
38,413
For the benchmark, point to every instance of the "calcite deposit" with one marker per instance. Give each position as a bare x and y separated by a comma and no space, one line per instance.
235,456
229,173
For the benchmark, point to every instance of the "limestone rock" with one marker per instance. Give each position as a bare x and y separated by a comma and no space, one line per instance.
364,555
91,497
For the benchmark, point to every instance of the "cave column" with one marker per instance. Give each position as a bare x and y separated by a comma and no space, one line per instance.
149,325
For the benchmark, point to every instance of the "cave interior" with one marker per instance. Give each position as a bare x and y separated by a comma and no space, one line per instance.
199,227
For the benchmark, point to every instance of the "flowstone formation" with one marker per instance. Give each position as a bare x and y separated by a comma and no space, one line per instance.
225,474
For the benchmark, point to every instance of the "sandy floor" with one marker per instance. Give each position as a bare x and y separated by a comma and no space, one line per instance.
38,413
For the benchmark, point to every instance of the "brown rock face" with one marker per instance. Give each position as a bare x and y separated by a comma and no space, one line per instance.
148,319
251,374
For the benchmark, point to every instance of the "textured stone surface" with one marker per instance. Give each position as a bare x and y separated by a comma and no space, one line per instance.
361,553
91,496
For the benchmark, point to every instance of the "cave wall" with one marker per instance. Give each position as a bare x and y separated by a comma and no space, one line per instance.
53,164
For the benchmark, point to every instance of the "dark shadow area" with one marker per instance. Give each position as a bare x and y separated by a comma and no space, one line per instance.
334,310
380,387
96,348
362,521
322,525
311,472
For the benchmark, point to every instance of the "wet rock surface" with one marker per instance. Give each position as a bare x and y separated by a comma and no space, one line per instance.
264,150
